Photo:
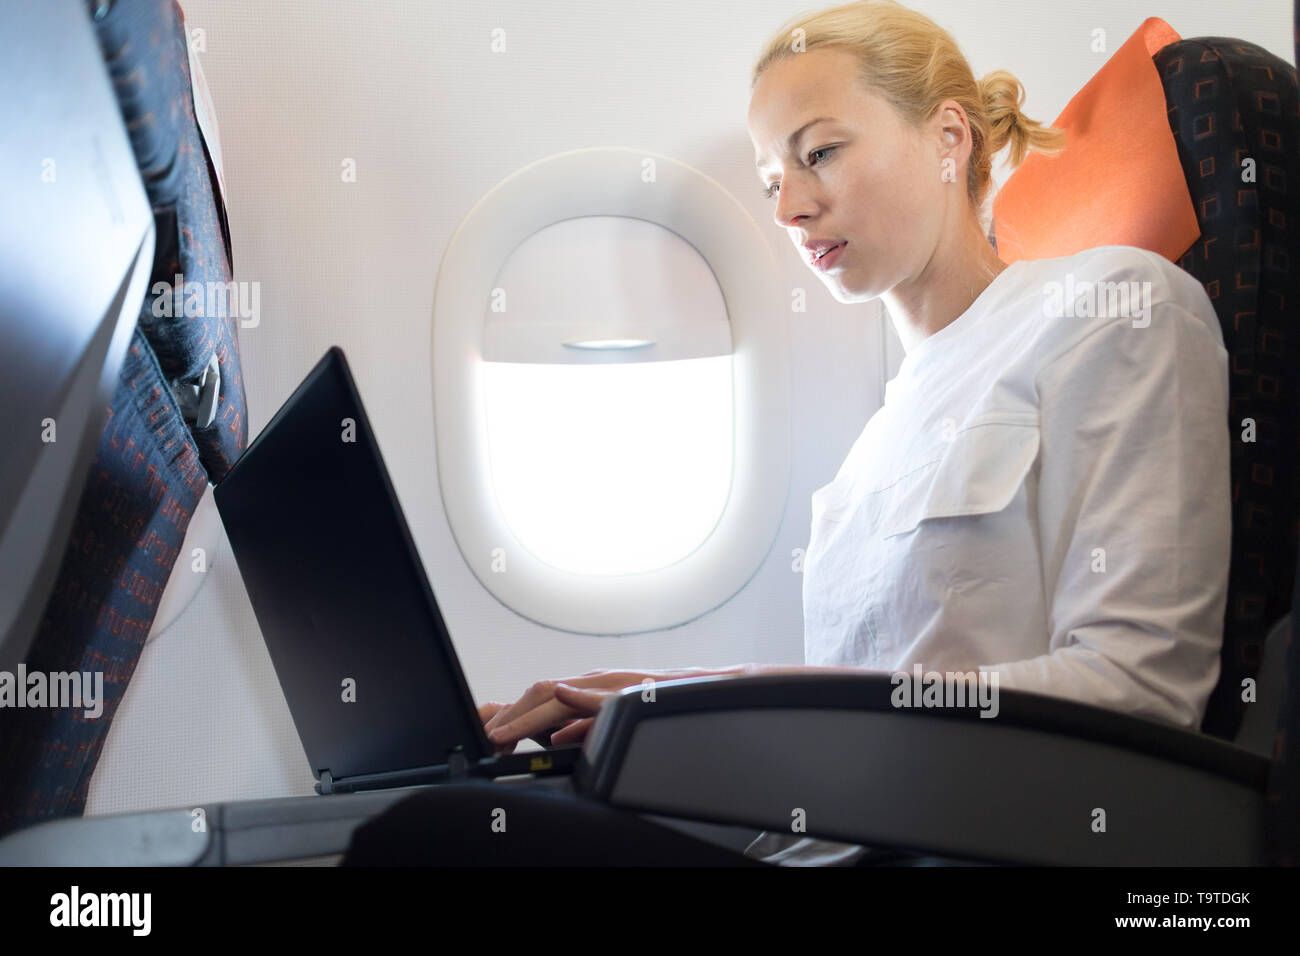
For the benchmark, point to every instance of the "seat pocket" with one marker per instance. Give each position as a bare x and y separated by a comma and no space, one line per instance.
979,472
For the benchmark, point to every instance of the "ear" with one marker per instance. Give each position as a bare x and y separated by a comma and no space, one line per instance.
954,133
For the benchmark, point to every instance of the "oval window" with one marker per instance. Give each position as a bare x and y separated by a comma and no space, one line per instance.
608,396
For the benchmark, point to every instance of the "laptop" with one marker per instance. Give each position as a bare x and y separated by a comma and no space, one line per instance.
360,648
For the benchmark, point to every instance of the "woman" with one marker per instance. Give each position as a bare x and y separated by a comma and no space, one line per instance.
1045,493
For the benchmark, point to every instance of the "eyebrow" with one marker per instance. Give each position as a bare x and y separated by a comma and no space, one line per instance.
793,138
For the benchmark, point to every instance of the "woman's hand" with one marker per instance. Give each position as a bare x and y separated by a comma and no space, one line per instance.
568,707
489,710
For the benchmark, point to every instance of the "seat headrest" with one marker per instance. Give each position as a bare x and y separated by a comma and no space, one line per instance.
1118,181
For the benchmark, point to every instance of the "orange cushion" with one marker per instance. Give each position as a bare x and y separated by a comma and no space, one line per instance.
1118,182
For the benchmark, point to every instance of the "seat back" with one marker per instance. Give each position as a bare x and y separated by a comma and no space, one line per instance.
154,460
1232,108
144,43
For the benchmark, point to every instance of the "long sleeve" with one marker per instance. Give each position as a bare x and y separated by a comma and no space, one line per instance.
1134,514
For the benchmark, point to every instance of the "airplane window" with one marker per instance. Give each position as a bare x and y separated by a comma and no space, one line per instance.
608,396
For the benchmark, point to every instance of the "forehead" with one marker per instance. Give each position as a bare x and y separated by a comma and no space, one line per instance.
822,83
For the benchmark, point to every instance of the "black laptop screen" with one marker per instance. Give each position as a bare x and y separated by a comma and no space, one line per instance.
354,633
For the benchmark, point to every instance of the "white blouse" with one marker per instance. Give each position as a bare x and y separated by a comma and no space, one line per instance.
1045,494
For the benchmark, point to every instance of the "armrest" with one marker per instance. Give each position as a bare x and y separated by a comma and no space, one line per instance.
1025,786
240,833
313,830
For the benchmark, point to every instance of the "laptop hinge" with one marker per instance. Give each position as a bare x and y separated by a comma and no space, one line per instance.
326,784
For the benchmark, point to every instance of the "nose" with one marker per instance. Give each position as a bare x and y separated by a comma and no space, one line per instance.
792,204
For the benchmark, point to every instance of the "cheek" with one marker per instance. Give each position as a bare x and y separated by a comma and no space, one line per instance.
916,184
884,197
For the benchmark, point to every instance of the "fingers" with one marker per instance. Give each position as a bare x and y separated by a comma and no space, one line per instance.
548,715
566,702
574,733
582,701
536,695
487,711
550,704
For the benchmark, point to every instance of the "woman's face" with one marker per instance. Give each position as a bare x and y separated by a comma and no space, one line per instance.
854,173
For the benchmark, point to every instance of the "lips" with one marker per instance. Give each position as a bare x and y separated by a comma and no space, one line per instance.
824,256
817,248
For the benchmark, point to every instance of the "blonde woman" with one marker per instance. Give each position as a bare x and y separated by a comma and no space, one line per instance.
1044,495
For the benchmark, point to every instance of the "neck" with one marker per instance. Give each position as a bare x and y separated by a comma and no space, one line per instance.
959,270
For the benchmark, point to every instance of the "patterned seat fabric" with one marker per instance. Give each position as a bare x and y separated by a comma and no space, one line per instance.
144,44
1234,114
142,488
150,468
1232,108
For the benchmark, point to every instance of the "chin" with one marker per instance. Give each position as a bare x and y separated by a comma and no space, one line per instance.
848,294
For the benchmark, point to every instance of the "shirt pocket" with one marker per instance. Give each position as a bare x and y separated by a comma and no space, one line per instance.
979,472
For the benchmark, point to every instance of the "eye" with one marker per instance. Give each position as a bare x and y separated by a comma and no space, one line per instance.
771,190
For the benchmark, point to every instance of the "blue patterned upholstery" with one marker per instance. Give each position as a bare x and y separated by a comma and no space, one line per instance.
144,44
1232,103
150,468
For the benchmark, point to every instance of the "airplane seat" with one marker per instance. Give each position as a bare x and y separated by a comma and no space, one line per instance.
176,421
1233,112
1232,109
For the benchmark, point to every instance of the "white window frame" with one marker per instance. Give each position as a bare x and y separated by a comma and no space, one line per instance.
610,181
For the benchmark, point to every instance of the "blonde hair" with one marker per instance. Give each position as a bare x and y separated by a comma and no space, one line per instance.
915,66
